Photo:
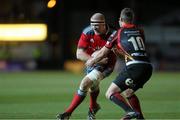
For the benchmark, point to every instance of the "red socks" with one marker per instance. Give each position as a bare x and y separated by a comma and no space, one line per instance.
135,104
77,100
120,101
93,99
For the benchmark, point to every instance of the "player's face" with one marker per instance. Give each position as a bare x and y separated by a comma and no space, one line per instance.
99,28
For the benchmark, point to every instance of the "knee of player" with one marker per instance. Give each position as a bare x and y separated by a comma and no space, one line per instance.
85,84
108,94
94,86
81,92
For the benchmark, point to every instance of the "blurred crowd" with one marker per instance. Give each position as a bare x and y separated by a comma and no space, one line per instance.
65,23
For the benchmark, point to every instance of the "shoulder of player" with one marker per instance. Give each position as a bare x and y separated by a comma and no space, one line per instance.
137,27
112,35
88,31
140,27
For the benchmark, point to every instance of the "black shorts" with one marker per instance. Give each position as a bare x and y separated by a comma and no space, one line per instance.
134,76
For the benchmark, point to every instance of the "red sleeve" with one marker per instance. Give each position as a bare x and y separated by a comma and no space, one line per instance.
111,41
83,41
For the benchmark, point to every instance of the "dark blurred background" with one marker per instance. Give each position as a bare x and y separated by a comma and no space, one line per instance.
66,20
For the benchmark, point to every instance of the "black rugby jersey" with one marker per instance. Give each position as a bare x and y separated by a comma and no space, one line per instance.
129,40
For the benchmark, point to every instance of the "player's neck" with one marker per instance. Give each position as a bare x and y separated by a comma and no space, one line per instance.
123,24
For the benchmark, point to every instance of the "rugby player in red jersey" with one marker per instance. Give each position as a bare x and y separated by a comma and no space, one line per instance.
93,38
128,41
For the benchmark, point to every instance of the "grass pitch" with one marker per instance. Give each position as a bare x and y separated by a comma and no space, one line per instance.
43,94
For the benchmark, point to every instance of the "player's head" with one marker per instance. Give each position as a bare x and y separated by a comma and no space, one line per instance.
126,16
98,23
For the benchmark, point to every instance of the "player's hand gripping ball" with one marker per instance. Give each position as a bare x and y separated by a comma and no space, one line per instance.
102,61
95,53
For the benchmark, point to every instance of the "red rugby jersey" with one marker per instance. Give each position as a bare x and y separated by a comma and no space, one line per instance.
91,42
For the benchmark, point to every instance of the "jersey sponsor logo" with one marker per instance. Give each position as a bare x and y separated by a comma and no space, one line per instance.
139,54
95,48
92,40
132,33
129,82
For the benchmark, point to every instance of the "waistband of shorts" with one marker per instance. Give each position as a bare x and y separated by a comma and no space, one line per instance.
137,62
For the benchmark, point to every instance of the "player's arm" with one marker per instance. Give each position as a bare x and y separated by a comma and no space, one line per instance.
83,44
82,55
112,62
101,54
